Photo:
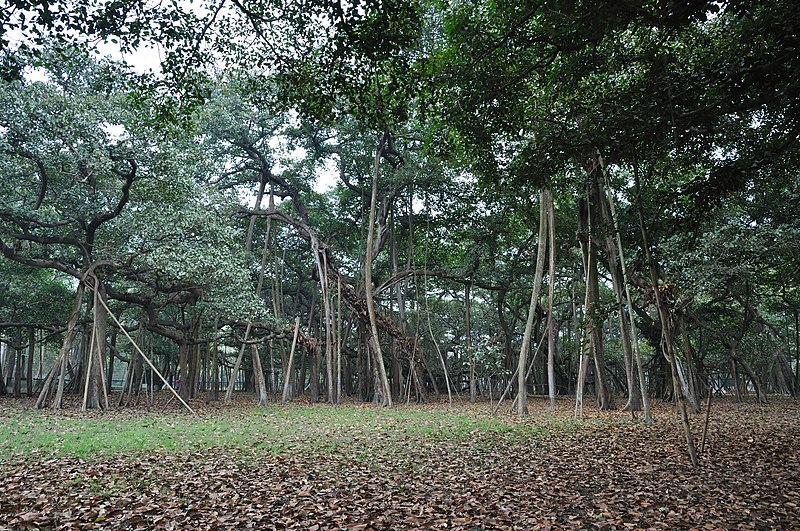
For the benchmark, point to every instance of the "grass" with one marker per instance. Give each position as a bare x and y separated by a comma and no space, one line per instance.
275,430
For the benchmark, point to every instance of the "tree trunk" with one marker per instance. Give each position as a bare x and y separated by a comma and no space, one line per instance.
258,373
397,370
9,361
386,398
338,340
94,385
637,392
666,329
686,388
605,399
183,370
436,346
112,348
470,356
796,352
552,327
314,374
273,380
29,361
63,356
522,391
287,377
215,369
238,364
18,362
40,364
741,362
691,364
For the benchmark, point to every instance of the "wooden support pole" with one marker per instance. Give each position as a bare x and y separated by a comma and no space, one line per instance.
143,355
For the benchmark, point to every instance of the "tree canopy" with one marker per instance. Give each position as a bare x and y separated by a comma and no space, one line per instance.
382,183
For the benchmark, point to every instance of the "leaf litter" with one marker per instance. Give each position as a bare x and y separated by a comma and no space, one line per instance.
381,470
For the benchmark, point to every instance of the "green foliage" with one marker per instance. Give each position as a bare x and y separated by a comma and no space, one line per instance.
34,296
153,175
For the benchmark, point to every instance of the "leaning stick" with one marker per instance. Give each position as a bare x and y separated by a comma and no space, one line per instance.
142,354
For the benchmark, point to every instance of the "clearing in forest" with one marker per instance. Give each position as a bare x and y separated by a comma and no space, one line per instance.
362,467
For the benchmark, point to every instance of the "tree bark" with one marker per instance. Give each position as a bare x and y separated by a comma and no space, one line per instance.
29,361
287,377
386,399
94,384
604,396
666,328
17,365
470,356
522,391
338,340
63,355
258,373
237,364
741,362
552,334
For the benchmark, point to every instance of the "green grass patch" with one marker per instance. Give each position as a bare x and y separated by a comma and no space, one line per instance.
271,430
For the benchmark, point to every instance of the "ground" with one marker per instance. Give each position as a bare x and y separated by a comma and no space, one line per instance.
362,467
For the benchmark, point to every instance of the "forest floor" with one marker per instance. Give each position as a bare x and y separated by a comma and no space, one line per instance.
362,467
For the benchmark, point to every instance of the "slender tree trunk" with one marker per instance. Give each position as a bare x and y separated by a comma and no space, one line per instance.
112,349
735,377
327,305
796,352
686,388
194,358
338,340
666,328
362,357
287,377
273,380
238,364
29,361
18,362
605,399
368,256
63,355
397,370
616,262
40,364
552,327
588,257
436,345
10,362
741,362
470,356
183,374
258,372
94,382
215,367
204,367
634,402
3,347
691,365
522,392
507,335
314,374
